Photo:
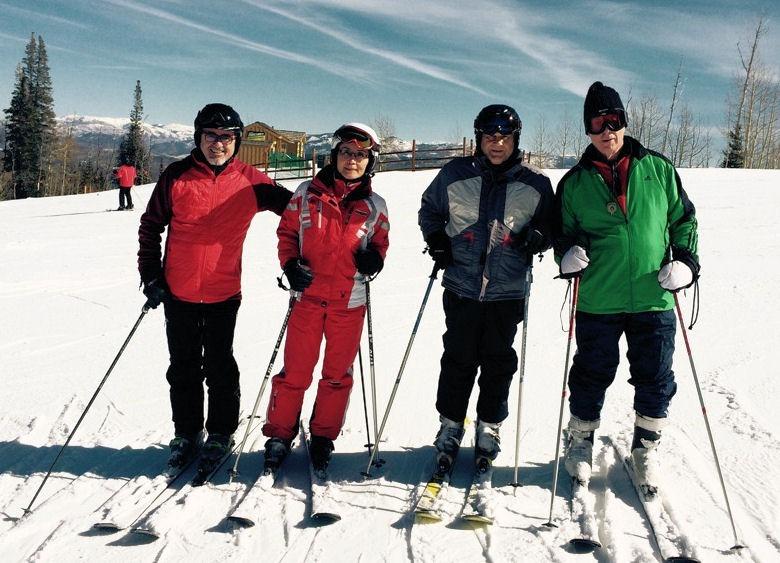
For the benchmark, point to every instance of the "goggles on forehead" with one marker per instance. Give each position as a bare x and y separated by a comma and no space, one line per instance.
353,136
614,121
500,125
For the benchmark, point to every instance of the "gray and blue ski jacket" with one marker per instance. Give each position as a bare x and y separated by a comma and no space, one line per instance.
483,209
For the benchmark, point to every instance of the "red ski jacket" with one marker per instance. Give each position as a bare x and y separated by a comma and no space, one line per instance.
125,175
326,221
208,216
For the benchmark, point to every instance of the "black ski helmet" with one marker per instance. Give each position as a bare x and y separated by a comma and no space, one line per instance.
218,116
497,118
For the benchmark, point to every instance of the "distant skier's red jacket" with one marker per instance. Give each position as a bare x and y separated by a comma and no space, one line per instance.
125,175
325,223
208,216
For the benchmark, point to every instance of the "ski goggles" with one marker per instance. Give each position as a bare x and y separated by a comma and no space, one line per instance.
356,137
614,121
499,126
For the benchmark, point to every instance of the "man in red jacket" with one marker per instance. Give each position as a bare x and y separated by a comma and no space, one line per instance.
207,201
125,177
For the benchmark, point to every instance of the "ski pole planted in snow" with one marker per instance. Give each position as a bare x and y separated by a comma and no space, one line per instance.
145,310
529,278
572,313
368,444
294,296
434,273
737,545
371,366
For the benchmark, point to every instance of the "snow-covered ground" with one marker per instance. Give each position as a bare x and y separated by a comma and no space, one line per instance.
69,297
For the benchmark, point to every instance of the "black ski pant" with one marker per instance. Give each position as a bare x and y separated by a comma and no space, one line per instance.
124,194
200,343
650,339
479,336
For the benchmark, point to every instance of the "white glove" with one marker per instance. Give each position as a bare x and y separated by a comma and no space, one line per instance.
675,275
574,261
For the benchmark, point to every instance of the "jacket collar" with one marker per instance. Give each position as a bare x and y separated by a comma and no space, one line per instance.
326,182
631,148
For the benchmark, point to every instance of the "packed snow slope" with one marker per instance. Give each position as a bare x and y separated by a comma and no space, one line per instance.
69,297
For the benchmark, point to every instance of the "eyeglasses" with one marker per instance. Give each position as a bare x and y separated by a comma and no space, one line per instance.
358,138
350,154
614,121
227,138
502,125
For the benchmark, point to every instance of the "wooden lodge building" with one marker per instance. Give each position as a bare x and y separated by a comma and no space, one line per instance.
262,144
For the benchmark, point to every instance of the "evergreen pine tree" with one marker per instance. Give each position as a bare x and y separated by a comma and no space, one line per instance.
131,149
30,123
734,155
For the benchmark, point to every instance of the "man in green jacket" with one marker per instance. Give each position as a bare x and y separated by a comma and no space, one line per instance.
627,229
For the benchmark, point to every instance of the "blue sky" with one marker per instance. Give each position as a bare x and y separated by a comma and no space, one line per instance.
427,65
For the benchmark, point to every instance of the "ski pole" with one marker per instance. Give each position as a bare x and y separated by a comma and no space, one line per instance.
293,298
144,310
368,444
529,278
736,545
434,272
371,368
572,313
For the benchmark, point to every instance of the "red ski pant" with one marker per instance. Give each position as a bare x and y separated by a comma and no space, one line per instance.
311,319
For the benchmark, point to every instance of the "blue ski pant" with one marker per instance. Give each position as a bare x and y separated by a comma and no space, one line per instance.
650,339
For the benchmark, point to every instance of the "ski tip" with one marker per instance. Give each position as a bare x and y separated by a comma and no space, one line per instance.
146,532
241,521
106,526
478,519
550,524
584,545
426,517
325,517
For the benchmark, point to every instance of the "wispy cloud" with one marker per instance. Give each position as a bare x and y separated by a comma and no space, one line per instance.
489,27
234,39
36,16
351,38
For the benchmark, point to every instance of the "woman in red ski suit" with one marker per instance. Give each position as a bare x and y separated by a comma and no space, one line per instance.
333,237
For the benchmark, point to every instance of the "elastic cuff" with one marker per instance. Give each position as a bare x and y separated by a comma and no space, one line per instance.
583,425
650,423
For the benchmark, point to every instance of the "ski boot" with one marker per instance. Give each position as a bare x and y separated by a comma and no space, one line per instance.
488,445
578,456
644,457
216,448
447,444
276,451
320,450
183,449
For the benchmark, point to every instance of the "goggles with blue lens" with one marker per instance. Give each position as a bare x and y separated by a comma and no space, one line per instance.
500,125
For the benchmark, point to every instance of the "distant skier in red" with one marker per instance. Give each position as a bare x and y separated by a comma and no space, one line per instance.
333,236
125,177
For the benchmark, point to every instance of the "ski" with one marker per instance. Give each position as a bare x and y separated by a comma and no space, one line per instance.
165,515
324,506
123,510
478,506
428,505
582,508
672,544
244,513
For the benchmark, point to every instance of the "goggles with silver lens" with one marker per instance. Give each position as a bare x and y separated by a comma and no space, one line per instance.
614,121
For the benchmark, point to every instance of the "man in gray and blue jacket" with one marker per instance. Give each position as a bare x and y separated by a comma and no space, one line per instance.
483,217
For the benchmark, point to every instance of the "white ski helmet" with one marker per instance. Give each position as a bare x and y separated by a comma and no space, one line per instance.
362,136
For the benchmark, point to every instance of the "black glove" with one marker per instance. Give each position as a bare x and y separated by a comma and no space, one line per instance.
530,240
440,249
156,292
299,276
368,261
